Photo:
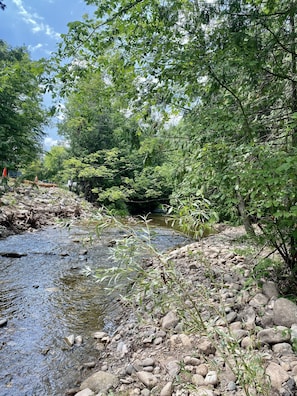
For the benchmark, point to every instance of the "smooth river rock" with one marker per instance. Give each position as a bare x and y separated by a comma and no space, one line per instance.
101,381
148,379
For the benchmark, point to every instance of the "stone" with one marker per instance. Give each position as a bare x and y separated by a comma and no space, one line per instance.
99,335
148,379
284,312
231,386
137,365
239,334
235,326
247,342
101,381
197,380
134,392
78,340
180,340
3,322
179,328
248,316
259,300
282,348
211,378
85,392
145,392
158,341
167,389
206,347
267,319
122,348
192,361
290,387
70,340
147,362
231,317
274,335
269,289
202,369
169,321
130,369
100,346
228,375
173,368
161,333
277,375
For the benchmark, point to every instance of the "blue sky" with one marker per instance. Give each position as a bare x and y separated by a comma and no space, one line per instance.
37,24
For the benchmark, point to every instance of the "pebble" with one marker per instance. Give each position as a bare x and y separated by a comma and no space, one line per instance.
211,378
167,389
231,386
162,357
70,340
148,379
3,322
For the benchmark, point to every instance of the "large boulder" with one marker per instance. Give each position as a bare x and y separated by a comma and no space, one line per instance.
284,312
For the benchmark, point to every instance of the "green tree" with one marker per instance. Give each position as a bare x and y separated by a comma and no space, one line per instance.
93,120
229,68
53,163
21,112
114,160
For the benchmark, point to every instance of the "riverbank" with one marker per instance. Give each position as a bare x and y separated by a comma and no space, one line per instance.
204,328
30,207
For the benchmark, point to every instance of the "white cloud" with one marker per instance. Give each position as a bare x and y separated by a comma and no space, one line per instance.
35,21
50,142
36,47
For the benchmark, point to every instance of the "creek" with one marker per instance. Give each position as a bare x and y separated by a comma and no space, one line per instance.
46,297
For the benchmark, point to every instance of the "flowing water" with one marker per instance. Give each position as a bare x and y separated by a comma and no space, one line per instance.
46,297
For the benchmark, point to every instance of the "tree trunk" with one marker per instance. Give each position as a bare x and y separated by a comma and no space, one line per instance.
244,216
293,71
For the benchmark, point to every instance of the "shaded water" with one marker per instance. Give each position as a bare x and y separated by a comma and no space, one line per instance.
46,297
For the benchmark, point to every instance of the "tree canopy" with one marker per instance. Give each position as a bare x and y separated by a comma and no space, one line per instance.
112,156
21,112
228,69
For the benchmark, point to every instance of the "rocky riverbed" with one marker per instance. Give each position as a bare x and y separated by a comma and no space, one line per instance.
204,327
218,334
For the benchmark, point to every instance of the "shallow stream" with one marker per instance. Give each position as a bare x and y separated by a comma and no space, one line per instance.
45,297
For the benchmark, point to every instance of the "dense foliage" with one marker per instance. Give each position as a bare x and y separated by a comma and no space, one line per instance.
113,162
228,68
21,112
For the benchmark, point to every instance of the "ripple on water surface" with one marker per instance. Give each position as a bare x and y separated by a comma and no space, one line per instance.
46,298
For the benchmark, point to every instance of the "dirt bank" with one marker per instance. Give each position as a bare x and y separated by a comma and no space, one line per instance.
29,207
